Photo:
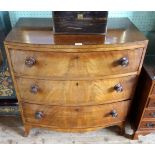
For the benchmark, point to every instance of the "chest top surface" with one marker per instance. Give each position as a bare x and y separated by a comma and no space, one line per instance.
38,31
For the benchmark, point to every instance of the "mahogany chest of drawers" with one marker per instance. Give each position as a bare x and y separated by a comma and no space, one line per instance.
145,100
75,83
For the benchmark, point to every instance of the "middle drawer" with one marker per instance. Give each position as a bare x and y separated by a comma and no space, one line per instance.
76,92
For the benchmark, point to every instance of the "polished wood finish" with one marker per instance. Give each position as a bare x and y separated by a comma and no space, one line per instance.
153,91
121,33
73,93
80,87
151,103
149,113
147,125
145,115
72,118
75,65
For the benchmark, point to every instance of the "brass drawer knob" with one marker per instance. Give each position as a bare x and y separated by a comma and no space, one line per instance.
34,89
118,87
30,61
150,125
124,62
39,115
114,113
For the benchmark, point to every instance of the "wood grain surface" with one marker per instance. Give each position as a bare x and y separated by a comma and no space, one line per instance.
76,117
151,103
70,87
76,92
75,65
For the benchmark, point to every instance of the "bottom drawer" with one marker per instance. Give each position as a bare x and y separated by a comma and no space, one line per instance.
65,117
147,125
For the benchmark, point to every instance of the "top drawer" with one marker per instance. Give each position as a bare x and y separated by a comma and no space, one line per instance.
75,65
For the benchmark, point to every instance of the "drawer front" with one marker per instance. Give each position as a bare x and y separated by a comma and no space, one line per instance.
149,113
75,65
151,103
147,125
76,92
76,117
153,90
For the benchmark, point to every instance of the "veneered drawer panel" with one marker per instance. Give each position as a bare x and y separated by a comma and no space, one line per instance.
75,65
149,113
151,103
153,90
147,125
76,92
64,117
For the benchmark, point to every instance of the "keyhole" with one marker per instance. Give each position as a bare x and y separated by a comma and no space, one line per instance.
75,57
77,83
77,109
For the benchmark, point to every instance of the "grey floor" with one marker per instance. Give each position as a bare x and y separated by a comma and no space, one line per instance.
11,131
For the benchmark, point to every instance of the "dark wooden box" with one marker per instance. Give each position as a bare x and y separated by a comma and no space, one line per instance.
80,22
